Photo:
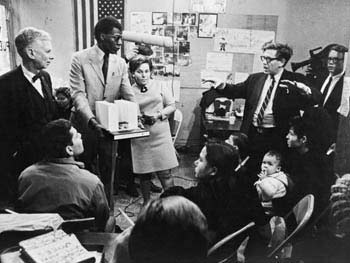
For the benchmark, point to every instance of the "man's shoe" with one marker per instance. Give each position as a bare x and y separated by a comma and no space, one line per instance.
131,190
155,188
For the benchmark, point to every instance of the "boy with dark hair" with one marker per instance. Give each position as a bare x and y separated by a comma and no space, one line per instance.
59,184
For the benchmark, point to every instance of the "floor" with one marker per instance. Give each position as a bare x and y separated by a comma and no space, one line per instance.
183,176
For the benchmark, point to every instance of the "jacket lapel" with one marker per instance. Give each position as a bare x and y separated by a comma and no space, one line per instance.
96,64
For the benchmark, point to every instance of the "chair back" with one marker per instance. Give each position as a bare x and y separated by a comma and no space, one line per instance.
302,212
177,124
227,239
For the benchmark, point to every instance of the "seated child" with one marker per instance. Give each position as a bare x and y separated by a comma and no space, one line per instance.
272,181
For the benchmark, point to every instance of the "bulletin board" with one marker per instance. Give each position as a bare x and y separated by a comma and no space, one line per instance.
199,47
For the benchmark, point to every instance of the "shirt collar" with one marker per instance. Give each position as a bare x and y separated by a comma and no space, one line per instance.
277,77
336,77
29,75
66,160
99,52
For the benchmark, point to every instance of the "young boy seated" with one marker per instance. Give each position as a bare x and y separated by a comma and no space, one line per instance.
272,181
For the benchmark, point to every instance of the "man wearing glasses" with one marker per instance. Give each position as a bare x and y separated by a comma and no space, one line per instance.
331,86
96,74
272,98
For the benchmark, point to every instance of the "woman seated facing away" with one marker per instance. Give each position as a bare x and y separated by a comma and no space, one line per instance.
171,230
226,203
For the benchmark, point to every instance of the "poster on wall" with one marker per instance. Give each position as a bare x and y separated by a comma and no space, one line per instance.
241,40
159,18
4,43
207,75
141,22
207,25
219,61
206,6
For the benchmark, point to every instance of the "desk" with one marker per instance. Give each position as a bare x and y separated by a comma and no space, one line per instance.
220,129
114,138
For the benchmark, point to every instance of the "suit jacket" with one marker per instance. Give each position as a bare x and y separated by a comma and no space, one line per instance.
286,102
23,113
89,86
333,102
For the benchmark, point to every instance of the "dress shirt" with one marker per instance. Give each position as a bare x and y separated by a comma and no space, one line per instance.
29,76
332,85
268,120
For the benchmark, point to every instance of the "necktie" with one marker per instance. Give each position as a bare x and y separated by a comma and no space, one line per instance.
44,85
325,91
265,102
105,66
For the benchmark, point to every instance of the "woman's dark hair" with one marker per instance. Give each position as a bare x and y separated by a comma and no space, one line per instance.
56,136
105,25
65,91
137,61
223,156
171,229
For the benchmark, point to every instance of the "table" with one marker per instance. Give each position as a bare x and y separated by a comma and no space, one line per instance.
114,138
220,128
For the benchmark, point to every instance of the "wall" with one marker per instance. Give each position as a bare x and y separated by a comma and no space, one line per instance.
56,18
304,24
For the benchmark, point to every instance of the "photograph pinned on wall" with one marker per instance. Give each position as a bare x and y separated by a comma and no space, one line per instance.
172,71
188,19
159,18
182,33
172,49
158,60
158,70
169,31
192,32
207,25
170,58
184,60
184,47
158,30
177,18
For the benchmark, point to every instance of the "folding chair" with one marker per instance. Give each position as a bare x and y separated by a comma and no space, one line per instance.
302,212
215,248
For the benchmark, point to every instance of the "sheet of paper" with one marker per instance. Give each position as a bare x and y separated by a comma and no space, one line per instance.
241,40
219,61
141,22
208,6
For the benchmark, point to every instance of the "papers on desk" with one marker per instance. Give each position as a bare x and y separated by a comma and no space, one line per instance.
118,116
56,247
29,222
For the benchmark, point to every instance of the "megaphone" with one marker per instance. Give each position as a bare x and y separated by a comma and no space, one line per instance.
161,41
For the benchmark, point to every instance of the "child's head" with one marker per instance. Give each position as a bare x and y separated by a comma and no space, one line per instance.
63,97
271,163
216,158
297,136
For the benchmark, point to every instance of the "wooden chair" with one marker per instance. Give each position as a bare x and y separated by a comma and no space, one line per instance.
215,248
302,212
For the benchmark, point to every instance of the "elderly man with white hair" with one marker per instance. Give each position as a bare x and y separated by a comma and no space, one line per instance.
26,105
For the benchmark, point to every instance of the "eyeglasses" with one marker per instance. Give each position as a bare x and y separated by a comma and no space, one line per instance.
267,59
116,37
334,60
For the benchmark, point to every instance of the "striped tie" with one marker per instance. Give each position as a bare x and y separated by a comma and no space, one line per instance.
265,102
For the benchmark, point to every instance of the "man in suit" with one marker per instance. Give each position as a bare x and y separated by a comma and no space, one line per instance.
272,98
26,105
98,73
331,85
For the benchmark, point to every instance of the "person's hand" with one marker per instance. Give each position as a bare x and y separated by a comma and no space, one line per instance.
139,122
287,84
148,119
262,175
131,53
214,83
100,131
